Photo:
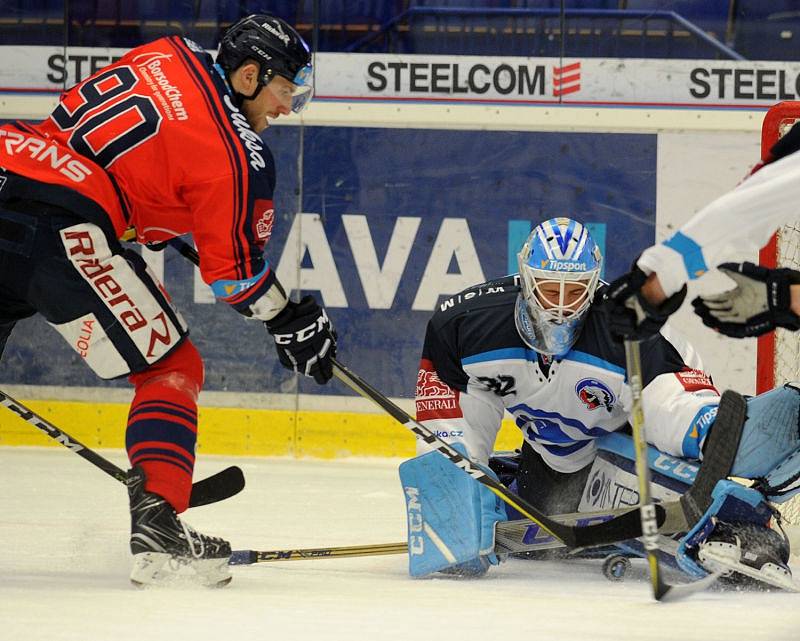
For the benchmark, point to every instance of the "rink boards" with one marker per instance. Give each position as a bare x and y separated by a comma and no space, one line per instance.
383,222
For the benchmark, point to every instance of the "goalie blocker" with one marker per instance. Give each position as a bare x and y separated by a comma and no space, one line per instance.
451,517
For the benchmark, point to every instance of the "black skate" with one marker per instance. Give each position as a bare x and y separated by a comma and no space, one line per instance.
165,549
751,555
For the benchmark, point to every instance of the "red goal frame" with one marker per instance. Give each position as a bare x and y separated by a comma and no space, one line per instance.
768,256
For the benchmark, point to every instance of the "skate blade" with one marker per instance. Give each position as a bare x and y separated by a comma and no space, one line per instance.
161,569
715,558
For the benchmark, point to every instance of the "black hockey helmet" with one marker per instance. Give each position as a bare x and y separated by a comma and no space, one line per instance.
277,48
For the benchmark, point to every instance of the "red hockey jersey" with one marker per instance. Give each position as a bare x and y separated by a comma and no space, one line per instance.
157,141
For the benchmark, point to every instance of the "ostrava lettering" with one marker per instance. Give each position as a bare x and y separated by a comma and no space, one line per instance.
445,78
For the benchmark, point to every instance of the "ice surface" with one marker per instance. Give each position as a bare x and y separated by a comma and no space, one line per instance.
64,564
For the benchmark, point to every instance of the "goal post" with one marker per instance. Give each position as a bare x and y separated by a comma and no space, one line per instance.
778,352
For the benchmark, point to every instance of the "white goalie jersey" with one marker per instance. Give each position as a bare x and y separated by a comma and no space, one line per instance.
475,368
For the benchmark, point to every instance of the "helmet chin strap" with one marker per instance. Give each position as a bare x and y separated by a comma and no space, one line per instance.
239,98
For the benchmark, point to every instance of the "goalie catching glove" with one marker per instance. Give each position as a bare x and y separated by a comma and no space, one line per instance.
760,302
305,339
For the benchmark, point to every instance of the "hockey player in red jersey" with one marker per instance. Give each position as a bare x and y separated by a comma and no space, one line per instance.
163,142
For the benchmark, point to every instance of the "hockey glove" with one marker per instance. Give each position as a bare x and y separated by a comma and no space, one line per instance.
305,339
629,313
758,304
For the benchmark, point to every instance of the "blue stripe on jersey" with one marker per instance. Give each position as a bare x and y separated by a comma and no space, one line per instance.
507,353
562,450
229,288
543,425
691,252
698,429
596,361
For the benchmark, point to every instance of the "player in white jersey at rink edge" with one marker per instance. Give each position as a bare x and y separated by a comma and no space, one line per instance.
740,220
536,344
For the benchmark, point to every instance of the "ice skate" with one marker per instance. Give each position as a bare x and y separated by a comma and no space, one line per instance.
751,556
166,551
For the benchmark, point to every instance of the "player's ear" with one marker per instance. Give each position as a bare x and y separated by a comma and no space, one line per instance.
245,78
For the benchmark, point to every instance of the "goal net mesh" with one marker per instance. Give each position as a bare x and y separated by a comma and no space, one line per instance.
782,351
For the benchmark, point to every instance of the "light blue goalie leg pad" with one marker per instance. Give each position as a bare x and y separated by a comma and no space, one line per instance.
451,517
783,482
770,436
732,503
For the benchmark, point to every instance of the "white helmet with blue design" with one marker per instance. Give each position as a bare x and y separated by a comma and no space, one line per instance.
559,269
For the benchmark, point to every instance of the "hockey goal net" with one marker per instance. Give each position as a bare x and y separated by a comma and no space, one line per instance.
779,352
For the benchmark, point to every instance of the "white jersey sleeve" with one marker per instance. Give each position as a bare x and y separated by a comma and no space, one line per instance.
742,219
679,405
473,418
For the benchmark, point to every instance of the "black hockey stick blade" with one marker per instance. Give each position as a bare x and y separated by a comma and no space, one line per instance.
720,452
217,487
626,526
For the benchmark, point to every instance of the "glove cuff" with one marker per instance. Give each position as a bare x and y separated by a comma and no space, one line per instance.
779,297
665,309
286,315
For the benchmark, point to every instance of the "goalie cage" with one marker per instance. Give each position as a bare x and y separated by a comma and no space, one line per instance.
778,354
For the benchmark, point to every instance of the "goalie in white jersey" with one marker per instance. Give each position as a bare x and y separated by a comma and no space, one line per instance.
535,346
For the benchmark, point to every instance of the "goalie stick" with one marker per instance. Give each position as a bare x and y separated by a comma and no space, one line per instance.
216,487
521,537
510,537
624,526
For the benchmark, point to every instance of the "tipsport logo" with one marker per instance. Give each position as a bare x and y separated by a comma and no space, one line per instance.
563,265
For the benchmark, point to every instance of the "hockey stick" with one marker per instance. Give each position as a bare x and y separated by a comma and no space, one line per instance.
662,591
511,537
249,557
216,487
626,526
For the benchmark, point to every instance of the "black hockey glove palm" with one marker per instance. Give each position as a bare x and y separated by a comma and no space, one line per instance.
758,304
305,339
630,315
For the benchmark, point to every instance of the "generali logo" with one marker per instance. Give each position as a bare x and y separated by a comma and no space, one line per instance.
567,79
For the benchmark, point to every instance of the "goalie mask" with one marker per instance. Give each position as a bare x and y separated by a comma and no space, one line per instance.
559,269
277,48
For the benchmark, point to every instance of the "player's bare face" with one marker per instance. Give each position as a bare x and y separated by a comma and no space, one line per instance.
273,101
